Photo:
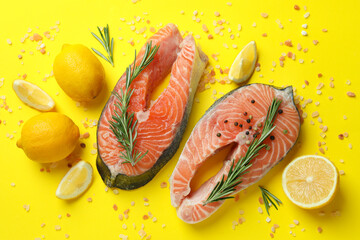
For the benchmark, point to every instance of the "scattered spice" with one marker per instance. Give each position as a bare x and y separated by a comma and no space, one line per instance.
218,134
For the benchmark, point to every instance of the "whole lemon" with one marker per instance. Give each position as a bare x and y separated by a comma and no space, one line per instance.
48,137
78,72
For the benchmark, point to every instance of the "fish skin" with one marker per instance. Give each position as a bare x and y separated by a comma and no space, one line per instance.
128,182
190,204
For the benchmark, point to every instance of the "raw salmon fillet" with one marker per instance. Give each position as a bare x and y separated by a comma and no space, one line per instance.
230,116
161,124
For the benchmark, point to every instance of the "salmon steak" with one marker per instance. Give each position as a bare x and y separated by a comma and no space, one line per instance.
160,124
235,120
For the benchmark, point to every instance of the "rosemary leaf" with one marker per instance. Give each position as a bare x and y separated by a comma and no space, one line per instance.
123,123
266,195
224,188
106,43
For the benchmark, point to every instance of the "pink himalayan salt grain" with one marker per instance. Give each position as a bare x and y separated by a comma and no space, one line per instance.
324,30
163,184
288,43
205,28
320,75
299,47
115,207
319,229
217,14
315,42
264,15
264,35
261,200
89,199
36,37
85,135
210,36
341,136
346,134
351,94
322,150
296,7
315,114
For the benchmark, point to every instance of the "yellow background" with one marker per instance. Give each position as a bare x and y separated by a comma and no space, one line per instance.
335,56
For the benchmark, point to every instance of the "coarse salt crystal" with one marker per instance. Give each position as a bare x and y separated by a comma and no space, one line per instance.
264,15
304,33
305,26
306,15
123,237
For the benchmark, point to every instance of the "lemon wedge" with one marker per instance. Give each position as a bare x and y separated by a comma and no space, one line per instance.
76,181
244,64
310,181
33,96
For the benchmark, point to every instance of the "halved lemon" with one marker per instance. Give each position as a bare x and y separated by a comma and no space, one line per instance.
244,64
33,96
76,181
310,181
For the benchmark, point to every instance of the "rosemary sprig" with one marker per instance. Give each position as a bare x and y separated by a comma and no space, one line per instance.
106,43
122,123
266,195
226,187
